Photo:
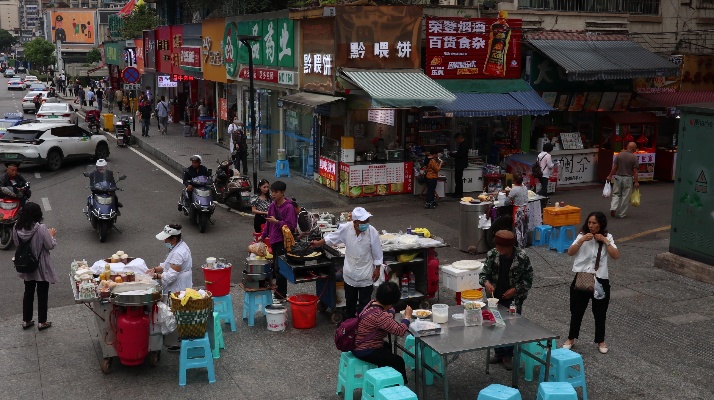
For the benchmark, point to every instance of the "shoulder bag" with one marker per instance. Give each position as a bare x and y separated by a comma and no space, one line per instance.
585,281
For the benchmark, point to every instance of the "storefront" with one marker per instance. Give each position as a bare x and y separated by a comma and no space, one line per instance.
214,74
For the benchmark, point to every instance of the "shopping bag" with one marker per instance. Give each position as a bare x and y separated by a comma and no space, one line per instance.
607,190
635,197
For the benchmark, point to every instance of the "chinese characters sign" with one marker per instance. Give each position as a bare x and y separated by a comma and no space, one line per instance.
276,47
317,63
646,162
190,58
213,47
317,42
230,49
327,172
376,180
468,48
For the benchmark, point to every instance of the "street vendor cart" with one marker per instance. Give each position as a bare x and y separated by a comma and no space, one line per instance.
321,270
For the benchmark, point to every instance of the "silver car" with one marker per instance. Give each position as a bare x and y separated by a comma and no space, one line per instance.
57,112
28,105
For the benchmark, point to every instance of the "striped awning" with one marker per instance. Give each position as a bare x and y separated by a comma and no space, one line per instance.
671,99
483,99
399,88
305,102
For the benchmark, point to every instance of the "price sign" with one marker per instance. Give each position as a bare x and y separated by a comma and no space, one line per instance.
132,86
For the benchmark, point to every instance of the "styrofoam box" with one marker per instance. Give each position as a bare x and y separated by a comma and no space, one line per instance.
459,280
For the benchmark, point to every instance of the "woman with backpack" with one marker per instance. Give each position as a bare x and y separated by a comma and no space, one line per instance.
545,164
29,227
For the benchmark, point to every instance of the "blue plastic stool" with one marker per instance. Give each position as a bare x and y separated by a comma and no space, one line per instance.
431,358
256,301
556,391
499,392
218,341
563,363
541,235
379,378
350,374
223,305
561,237
396,393
538,349
196,353
282,168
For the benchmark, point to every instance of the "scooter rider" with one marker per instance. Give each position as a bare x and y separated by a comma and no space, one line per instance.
102,174
194,171
12,184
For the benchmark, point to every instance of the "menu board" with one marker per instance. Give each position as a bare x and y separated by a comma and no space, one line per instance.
375,179
571,140
385,117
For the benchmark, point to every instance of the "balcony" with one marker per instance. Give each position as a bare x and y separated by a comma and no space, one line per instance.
637,7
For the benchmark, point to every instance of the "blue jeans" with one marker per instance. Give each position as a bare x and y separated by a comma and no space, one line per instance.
145,126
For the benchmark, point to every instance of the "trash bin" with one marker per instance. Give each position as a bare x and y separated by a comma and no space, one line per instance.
469,232
108,122
441,186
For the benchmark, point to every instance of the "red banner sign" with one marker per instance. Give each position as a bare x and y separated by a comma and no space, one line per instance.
190,58
473,48
328,172
260,74
223,109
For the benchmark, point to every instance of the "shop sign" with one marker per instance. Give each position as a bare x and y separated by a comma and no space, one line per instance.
230,49
149,50
472,48
113,53
260,74
320,64
317,38
378,37
190,58
286,78
164,81
130,57
270,39
286,43
376,180
575,168
211,57
182,78
254,28
328,173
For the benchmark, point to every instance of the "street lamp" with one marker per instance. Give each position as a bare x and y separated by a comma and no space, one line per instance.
247,40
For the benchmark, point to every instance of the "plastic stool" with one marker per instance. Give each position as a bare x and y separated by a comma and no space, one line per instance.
556,391
218,341
282,168
378,379
350,374
199,358
538,349
499,392
223,305
561,238
396,393
255,301
432,359
541,235
562,369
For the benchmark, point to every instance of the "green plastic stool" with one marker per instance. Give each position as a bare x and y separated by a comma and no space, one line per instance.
350,374
529,364
556,391
499,392
396,393
566,366
431,358
378,379
218,341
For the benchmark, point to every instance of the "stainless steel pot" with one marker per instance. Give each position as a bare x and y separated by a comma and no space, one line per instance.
258,266
136,294
248,277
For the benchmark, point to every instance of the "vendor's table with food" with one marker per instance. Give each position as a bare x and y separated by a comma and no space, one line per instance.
456,338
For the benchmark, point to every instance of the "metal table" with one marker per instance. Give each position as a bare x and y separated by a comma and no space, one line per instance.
456,338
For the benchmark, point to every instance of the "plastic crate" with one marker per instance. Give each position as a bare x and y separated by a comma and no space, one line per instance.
562,216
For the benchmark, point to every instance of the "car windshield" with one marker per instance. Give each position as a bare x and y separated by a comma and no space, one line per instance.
53,107
20,135
6,124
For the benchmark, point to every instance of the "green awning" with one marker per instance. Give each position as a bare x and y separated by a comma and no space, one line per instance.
485,85
399,88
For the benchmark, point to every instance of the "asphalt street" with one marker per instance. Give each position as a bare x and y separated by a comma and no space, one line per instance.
659,324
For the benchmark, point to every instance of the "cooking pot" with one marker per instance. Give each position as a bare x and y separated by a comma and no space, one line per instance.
258,266
253,280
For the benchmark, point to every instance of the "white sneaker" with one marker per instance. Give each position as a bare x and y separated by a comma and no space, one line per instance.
568,346
603,349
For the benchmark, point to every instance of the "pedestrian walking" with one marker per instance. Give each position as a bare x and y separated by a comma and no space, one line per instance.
591,249
37,101
162,113
623,177
29,227
432,176
110,99
119,97
239,145
82,96
461,161
145,112
125,104
90,97
100,98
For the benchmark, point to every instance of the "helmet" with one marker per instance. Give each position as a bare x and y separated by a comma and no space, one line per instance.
101,163
196,158
226,164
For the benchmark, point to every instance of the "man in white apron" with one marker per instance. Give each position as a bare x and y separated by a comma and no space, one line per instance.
363,259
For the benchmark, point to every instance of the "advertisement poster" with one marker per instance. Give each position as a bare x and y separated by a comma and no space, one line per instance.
376,179
73,27
607,101
473,48
223,109
328,173
577,102
592,101
647,165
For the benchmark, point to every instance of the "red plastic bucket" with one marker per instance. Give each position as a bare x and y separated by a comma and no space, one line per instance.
304,310
218,281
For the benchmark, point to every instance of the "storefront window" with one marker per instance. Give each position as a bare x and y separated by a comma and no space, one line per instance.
298,138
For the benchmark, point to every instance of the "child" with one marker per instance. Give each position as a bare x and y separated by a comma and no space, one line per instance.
280,213
432,175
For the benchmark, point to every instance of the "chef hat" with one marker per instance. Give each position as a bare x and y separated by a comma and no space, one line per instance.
360,214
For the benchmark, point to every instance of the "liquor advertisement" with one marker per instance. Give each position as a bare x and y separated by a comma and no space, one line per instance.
328,173
77,27
473,48
376,179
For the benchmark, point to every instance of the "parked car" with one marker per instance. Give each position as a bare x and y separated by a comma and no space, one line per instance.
38,87
29,80
57,112
9,73
28,105
15,84
21,70
10,120
51,144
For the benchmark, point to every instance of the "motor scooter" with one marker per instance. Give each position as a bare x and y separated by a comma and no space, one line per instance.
92,119
199,205
232,190
102,209
122,128
9,212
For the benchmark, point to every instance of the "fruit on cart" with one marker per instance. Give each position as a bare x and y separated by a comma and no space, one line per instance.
118,279
422,232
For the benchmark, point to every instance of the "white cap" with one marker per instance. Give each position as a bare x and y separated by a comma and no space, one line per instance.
167,232
360,214
101,163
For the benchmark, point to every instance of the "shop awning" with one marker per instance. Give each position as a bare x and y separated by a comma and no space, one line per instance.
399,88
591,57
488,98
304,101
671,99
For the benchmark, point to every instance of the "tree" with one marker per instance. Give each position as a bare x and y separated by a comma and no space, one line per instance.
40,52
6,39
93,56
141,18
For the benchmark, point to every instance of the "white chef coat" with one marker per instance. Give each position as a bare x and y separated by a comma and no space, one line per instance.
362,253
173,281
586,256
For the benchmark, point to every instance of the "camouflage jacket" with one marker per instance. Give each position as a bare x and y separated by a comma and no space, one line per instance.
520,274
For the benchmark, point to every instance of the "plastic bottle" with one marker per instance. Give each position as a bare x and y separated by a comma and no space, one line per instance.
512,308
412,284
405,286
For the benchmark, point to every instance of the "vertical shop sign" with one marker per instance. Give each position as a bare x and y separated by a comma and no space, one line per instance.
230,49
286,43
315,143
149,50
223,109
254,28
270,39
317,42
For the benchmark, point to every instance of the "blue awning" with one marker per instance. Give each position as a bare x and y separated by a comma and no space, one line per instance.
494,104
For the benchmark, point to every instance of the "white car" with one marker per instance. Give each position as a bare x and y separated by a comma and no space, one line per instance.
57,112
50,144
29,80
28,105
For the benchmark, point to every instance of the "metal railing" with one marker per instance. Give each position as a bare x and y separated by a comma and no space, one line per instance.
641,7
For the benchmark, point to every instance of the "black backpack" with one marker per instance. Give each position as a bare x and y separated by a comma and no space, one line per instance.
536,170
25,260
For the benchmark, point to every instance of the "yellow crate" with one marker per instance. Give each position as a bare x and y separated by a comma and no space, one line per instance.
562,216
347,142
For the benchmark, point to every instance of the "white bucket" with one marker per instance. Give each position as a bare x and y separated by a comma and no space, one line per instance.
277,317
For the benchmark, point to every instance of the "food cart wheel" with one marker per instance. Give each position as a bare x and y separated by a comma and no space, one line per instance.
154,358
504,222
336,317
424,305
106,365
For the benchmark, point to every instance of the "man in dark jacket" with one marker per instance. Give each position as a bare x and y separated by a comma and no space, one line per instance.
461,161
12,184
145,111
194,171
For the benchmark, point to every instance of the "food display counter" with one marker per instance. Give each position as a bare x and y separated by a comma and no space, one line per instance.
375,178
646,159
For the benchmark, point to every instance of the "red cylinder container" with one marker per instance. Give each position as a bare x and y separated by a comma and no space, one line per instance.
132,339
432,273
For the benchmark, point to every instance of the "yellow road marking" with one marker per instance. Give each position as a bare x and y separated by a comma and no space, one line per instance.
645,233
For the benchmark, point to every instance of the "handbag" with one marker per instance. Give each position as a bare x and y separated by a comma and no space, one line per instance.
585,281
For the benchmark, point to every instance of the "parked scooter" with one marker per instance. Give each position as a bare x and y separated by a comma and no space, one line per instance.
199,206
230,187
102,209
9,212
122,129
